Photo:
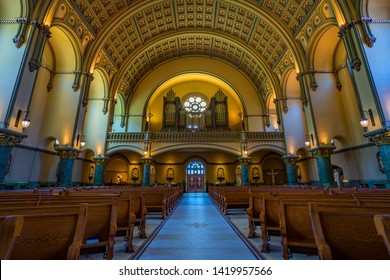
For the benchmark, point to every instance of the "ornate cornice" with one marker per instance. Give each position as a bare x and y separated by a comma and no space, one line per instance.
67,152
379,137
100,160
9,138
322,151
290,159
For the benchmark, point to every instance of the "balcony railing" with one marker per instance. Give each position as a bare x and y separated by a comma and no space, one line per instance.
195,137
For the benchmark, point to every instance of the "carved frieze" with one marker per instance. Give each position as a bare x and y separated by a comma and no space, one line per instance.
379,137
9,138
322,151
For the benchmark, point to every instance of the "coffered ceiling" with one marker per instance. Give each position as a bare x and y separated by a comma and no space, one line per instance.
133,37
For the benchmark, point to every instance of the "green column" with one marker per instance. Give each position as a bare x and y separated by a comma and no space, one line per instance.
381,138
146,173
100,164
65,169
291,168
244,170
324,165
8,140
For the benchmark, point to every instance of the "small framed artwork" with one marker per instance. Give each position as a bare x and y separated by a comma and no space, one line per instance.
135,174
170,174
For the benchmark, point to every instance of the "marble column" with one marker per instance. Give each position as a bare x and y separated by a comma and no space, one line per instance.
381,138
8,140
291,168
146,173
244,170
100,164
65,169
324,165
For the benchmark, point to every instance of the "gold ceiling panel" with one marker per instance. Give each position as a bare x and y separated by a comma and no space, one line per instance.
233,31
196,44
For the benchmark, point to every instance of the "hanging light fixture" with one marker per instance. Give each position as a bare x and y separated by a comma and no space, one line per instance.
25,122
307,141
82,141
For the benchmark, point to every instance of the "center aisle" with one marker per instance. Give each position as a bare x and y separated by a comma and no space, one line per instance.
196,230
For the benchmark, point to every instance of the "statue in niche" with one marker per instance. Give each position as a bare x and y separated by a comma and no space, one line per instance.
170,174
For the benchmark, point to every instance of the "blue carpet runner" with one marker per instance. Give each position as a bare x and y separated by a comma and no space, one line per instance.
197,230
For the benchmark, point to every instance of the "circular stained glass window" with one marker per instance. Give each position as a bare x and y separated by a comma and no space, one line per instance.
195,105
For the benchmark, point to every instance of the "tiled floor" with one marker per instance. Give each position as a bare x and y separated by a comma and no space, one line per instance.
197,230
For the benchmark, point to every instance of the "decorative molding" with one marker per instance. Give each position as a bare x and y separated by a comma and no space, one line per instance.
67,152
322,151
313,82
101,160
10,138
290,159
195,137
379,137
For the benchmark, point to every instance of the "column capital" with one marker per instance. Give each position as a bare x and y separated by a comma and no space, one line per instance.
379,137
146,160
10,138
68,152
290,159
244,159
322,151
100,160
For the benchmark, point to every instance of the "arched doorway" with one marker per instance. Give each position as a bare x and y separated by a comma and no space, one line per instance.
195,174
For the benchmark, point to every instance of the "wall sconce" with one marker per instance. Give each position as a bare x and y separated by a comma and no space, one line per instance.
82,141
364,121
25,121
307,141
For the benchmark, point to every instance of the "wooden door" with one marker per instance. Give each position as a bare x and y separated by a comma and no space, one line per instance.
195,183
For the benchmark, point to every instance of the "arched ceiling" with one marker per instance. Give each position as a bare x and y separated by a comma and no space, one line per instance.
131,38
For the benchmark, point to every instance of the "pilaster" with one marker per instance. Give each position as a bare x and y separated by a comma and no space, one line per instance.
100,165
291,168
65,169
324,165
147,161
381,138
8,140
244,160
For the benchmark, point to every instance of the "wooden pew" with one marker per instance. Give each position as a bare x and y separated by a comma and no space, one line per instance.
382,224
295,224
348,232
100,227
49,235
235,199
156,201
9,231
128,219
269,212
253,212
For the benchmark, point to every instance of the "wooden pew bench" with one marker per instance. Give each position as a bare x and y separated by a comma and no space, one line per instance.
235,199
156,201
382,224
100,227
131,213
48,235
10,230
295,224
348,232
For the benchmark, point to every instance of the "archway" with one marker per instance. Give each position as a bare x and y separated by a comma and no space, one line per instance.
196,177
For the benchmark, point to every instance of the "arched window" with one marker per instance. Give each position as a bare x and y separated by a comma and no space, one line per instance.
195,167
